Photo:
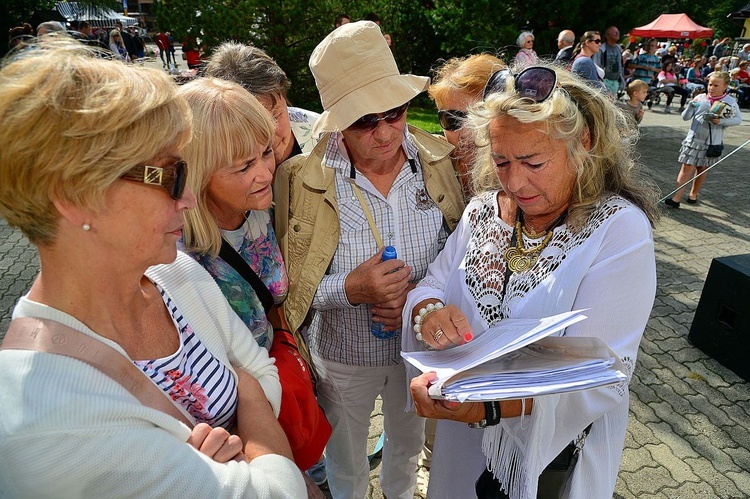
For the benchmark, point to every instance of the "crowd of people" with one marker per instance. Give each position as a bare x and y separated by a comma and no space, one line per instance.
188,228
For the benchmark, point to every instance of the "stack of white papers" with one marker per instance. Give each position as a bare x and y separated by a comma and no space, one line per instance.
516,359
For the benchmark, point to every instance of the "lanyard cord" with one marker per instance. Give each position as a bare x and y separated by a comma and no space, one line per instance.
365,208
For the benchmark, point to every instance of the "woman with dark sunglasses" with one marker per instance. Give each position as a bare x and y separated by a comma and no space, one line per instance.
582,63
92,175
571,231
371,181
458,84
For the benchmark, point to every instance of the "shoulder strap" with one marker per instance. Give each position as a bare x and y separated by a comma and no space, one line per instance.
43,335
229,255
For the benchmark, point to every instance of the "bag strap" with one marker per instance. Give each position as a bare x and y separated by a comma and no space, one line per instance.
44,335
710,138
230,255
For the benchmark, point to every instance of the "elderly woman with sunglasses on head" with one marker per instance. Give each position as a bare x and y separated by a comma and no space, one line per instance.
91,173
371,181
457,85
572,231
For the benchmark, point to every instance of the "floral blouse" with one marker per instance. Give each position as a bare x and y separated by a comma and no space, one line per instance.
256,243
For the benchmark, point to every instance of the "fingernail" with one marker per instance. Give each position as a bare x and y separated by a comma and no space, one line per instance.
468,337
452,405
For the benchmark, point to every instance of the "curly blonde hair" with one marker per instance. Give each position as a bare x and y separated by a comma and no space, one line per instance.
573,110
71,124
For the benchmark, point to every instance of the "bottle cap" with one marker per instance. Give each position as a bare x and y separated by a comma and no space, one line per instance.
389,253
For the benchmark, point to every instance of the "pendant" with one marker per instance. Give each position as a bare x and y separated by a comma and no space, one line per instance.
517,261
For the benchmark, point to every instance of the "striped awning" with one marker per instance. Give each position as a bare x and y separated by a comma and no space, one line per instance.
97,17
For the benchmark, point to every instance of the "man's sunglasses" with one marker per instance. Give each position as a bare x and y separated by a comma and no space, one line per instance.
172,178
370,121
451,120
535,83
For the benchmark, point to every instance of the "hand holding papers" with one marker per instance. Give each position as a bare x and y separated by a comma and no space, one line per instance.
485,369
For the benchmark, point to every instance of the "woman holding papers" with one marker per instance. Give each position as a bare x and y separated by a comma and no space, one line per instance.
572,232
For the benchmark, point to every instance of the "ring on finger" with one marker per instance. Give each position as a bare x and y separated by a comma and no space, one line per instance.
437,335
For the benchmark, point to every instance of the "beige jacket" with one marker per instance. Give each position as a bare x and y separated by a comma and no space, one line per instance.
307,220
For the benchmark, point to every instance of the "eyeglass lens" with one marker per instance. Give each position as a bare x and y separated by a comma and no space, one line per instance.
535,83
173,178
451,119
370,121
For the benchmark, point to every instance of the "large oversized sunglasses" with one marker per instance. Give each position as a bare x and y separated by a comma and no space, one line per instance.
451,120
535,83
370,121
172,177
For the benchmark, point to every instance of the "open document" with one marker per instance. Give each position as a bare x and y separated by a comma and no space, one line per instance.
517,359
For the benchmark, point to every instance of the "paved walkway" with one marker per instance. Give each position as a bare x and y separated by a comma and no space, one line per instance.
689,432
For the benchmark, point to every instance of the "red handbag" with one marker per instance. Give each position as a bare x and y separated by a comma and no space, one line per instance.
301,418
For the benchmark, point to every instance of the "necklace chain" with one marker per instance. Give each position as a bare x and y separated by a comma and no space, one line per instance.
518,257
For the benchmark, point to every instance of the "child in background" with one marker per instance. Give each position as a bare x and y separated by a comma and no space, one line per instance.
734,85
637,92
706,128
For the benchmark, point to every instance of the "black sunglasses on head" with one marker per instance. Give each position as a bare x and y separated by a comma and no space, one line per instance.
172,178
535,83
451,120
370,121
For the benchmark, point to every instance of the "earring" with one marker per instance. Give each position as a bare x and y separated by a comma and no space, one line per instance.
86,227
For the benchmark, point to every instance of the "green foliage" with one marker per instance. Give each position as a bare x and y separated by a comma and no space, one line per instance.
287,30
423,114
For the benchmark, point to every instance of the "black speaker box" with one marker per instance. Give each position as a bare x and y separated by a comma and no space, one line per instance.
721,326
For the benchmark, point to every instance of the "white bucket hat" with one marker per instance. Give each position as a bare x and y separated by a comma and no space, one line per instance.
356,75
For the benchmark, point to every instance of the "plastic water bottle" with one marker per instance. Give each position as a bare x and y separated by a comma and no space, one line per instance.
376,328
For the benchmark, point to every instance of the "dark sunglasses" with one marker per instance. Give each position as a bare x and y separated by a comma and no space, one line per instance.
451,120
370,121
535,83
172,178
597,41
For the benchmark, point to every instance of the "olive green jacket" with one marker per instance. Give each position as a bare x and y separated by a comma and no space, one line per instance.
307,218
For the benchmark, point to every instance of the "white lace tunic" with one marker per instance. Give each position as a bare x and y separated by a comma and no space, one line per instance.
607,267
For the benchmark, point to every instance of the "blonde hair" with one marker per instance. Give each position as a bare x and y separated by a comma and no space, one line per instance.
573,109
71,124
113,34
720,75
463,74
228,124
635,86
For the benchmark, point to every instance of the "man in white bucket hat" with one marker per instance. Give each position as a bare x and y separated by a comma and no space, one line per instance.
370,182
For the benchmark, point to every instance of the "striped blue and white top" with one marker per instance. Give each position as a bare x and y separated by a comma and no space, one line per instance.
193,377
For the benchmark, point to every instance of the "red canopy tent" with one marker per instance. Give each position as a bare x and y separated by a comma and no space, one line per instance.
673,26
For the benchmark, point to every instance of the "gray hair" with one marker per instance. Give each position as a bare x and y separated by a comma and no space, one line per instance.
51,27
250,67
567,36
522,37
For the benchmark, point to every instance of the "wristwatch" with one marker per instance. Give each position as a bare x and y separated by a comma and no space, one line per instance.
492,415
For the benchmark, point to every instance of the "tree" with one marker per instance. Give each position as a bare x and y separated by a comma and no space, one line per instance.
287,30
